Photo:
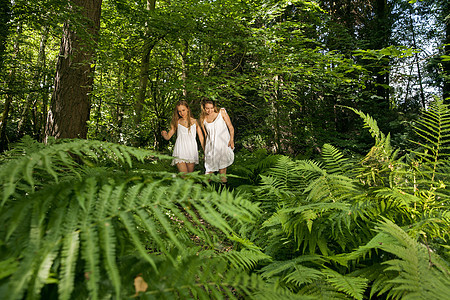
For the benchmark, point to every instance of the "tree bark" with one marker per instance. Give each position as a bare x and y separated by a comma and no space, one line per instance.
70,104
384,27
183,54
446,64
143,82
145,66
9,98
5,12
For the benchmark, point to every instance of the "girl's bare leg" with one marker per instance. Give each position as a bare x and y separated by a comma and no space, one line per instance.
208,173
182,167
190,167
223,173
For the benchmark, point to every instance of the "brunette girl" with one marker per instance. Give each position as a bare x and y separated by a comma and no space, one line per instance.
219,138
185,150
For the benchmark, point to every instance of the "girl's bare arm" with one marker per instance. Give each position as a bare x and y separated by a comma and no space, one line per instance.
227,120
167,135
200,135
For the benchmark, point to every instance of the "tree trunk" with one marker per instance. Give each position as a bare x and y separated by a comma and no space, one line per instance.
143,82
184,67
5,13
384,33
4,122
6,108
70,105
446,64
145,66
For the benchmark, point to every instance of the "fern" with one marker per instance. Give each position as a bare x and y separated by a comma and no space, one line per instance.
334,160
434,129
245,259
332,206
353,286
57,163
415,272
372,125
321,289
71,218
249,166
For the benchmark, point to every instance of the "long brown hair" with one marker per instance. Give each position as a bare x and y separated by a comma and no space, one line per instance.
203,112
176,116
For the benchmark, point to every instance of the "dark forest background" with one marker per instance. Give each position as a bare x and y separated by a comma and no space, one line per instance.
283,69
339,189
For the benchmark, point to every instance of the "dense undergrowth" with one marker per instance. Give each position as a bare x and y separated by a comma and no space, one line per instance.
87,219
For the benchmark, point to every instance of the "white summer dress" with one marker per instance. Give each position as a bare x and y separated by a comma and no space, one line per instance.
185,149
218,155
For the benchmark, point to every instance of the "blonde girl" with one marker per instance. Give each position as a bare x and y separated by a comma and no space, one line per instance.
185,152
219,134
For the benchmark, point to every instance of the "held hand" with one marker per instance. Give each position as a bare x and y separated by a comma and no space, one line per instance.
164,134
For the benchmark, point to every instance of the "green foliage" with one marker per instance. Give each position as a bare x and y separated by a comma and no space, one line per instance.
318,212
413,271
78,219
90,219
434,130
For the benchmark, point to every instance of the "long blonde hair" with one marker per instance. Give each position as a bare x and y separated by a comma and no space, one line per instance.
176,116
203,112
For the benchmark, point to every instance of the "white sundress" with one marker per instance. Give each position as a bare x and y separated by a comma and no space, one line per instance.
218,155
185,150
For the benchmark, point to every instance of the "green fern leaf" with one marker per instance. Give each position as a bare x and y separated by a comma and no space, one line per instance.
321,289
8,267
370,123
353,286
287,266
108,245
302,275
434,128
245,259
334,160
415,273
126,220
90,254
71,245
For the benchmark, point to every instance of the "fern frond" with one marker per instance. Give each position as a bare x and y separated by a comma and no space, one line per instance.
106,218
370,123
249,166
320,289
108,246
90,252
434,128
334,160
205,275
69,256
130,226
287,266
34,167
302,275
352,286
330,187
245,259
416,272
8,267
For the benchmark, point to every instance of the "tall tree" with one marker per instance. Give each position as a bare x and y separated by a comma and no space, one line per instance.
5,12
70,103
10,81
446,63
149,43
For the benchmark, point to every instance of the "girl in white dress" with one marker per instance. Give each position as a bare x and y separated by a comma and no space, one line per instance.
219,138
185,150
